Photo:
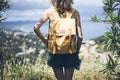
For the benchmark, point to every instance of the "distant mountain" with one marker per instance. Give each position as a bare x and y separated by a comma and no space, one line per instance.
99,39
17,25
16,30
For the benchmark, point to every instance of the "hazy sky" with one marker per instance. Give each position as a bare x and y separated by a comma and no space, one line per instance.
33,9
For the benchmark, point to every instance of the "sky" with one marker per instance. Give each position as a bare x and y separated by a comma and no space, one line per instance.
32,10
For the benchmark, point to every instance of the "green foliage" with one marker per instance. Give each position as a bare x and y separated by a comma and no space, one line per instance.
26,71
4,5
111,68
95,19
14,66
112,17
41,71
111,40
12,43
89,70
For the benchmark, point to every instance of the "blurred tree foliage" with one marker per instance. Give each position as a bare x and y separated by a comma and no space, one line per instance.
111,39
4,5
11,44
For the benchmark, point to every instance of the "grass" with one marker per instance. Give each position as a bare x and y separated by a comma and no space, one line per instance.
89,70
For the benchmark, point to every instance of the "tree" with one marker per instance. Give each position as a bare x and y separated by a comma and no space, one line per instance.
111,10
111,40
4,5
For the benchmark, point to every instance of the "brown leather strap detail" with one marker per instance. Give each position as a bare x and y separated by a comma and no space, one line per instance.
70,42
54,42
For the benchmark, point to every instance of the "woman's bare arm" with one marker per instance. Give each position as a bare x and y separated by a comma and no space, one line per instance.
39,24
79,32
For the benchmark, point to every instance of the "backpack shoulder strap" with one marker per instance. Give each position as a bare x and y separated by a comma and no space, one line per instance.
55,12
70,13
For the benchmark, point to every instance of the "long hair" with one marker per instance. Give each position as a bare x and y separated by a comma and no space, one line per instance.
62,5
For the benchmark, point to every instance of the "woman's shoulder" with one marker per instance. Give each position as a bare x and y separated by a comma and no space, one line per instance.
49,10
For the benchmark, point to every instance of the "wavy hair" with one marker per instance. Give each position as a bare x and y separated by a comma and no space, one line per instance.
62,5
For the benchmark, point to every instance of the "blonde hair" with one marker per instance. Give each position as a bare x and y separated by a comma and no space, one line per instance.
62,5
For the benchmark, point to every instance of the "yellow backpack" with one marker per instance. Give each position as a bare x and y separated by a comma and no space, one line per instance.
62,34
